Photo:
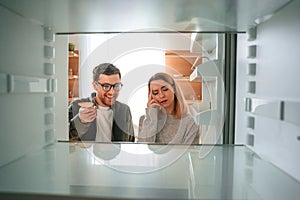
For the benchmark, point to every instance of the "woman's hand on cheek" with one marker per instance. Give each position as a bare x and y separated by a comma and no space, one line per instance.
152,103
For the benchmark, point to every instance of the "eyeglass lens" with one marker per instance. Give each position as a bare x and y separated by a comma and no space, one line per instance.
107,87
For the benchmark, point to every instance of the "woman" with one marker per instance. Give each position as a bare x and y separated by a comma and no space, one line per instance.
167,118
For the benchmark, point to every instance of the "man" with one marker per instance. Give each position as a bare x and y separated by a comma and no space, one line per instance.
107,119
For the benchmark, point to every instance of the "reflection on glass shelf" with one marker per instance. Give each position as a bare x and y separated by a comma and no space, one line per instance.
138,158
73,170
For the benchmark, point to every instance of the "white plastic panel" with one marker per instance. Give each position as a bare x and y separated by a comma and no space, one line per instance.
274,105
3,83
178,15
23,86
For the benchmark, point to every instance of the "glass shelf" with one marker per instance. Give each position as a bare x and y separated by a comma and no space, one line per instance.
89,170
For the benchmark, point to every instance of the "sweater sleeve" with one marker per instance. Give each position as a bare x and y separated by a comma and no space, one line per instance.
148,126
76,127
192,132
130,125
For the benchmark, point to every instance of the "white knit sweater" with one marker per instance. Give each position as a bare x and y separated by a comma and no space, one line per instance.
158,127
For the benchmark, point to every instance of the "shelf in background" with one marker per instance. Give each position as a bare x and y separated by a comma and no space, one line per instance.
72,76
73,54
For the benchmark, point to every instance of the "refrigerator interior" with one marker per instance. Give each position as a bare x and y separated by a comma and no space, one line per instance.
33,86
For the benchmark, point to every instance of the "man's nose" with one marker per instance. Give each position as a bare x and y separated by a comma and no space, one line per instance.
111,91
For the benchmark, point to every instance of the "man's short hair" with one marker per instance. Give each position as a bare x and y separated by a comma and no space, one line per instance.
105,68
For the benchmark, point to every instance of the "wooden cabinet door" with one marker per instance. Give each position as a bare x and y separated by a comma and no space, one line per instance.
179,66
73,76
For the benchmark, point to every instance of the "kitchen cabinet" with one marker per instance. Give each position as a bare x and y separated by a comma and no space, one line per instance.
179,64
73,75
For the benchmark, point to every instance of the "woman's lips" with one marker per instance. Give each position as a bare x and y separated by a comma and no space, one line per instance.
163,102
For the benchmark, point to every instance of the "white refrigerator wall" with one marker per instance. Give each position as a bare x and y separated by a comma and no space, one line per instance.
23,112
271,74
32,86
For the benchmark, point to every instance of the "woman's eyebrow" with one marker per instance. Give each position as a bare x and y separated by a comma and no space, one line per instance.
162,87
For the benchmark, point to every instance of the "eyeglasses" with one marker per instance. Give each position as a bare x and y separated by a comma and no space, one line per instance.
106,87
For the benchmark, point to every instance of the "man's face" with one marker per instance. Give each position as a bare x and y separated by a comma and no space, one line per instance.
107,94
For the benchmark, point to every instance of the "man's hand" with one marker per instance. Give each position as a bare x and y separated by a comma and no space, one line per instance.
87,114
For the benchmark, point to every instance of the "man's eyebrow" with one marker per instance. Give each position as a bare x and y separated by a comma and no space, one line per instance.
109,83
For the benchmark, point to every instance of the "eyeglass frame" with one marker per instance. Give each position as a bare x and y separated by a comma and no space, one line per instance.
110,86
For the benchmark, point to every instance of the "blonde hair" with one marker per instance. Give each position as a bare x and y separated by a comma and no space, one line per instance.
180,107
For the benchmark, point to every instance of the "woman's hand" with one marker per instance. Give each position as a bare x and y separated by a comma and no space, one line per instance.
151,102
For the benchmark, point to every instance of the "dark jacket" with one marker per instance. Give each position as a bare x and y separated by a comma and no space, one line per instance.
122,129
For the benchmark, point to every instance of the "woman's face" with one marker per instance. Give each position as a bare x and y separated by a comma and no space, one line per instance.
163,93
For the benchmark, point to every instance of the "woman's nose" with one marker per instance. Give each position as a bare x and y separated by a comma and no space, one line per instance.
161,94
